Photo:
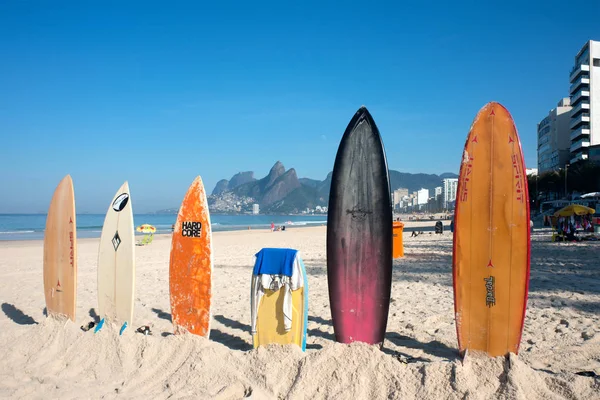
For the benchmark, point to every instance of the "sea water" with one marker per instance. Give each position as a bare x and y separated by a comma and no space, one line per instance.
31,226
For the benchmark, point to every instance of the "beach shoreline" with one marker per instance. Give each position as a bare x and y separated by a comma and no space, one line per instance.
409,225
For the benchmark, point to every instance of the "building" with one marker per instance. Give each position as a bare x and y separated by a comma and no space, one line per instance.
398,195
255,209
422,196
438,191
585,100
450,185
554,138
531,171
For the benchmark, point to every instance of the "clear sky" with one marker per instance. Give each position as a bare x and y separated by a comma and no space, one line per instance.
157,93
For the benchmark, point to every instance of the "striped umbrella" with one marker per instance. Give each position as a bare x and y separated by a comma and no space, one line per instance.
146,228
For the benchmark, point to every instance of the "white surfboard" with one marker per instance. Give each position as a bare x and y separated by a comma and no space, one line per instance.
116,261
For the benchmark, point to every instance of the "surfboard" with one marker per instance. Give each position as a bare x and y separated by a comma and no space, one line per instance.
491,251
270,325
191,264
359,235
60,252
116,261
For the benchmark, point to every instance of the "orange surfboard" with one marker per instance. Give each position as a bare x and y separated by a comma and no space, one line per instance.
191,264
60,252
491,252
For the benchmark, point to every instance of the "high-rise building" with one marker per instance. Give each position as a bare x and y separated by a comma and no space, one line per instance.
255,209
554,138
438,191
585,100
450,185
422,196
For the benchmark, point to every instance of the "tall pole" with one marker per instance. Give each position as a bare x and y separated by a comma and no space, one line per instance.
566,174
536,192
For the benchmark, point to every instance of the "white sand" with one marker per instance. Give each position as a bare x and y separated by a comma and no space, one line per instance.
46,358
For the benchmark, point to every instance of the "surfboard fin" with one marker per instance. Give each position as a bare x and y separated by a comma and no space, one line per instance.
123,328
463,354
99,326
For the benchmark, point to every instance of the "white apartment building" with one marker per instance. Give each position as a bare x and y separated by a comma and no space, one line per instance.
531,171
585,100
422,196
255,209
554,138
438,191
450,185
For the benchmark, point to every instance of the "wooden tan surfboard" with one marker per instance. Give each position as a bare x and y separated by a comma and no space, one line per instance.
116,261
191,264
60,252
491,254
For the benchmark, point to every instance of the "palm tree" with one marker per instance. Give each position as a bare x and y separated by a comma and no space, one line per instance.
584,177
551,185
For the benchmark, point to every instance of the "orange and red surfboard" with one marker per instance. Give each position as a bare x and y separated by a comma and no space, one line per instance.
191,264
60,252
491,252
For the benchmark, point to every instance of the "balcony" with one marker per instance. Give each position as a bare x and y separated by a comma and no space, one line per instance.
583,131
580,95
544,148
579,145
581,107
578,157
578,70
583,118
583,80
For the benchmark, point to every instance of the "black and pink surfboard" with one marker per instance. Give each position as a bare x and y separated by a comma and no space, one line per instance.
359,235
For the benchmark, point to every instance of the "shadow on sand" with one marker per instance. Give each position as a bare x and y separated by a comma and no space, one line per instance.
434,347
233,324
94,315
231,341
162,314
17,315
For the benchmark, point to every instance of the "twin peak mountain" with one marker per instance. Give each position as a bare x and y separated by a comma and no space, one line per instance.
282,191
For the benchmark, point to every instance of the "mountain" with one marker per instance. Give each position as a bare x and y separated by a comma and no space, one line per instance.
167,211
221,186
313,183
281,191
238,179
273,188
448,175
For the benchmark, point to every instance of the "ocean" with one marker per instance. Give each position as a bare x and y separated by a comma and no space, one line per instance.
31,226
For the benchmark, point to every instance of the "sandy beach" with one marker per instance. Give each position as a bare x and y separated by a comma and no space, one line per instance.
48,358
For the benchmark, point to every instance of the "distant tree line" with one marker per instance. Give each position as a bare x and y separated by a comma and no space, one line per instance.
582,177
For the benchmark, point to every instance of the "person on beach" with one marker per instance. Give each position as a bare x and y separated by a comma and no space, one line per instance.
272,226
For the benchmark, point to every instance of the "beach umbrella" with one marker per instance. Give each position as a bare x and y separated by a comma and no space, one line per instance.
574,209
146,228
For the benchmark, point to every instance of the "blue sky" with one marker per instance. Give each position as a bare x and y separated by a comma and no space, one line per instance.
157,93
